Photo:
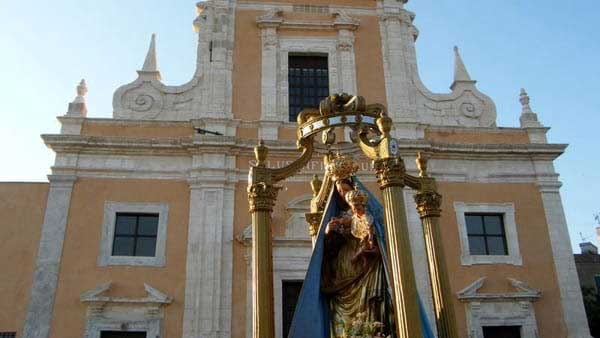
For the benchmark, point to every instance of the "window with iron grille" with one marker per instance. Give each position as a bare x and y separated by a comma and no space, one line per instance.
135,235
8,334
308,78
486,234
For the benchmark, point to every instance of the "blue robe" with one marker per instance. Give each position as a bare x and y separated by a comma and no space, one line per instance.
311,318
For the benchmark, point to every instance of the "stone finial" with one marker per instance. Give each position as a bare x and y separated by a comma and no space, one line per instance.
150,67
78,108
528,118
460,71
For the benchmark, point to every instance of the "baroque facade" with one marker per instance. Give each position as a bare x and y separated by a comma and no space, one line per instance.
143,224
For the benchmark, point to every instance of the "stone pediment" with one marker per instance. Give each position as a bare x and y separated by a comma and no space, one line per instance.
98,295
522,292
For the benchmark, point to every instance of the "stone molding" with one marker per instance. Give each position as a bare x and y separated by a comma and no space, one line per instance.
173,159
108,233
510,229
500,309
106,313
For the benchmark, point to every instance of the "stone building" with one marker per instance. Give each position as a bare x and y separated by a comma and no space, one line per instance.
142,228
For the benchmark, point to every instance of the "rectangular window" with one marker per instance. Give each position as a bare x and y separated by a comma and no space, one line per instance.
290,293
121,334
501,332
8,334
486,234
308,78
135,235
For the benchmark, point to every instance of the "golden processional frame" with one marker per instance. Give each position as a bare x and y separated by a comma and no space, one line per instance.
371,129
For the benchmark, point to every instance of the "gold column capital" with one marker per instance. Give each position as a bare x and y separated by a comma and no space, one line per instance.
390,171
262,196
314,220
428,204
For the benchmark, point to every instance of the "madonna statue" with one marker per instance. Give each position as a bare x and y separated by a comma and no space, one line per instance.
346,293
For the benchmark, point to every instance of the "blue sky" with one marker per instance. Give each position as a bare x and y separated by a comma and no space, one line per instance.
549,47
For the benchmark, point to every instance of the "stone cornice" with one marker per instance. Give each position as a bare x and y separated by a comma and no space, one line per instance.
186,146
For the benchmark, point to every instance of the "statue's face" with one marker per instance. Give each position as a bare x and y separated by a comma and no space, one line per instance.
343,187
358,209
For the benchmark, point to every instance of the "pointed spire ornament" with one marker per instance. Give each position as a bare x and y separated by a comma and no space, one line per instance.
528,118
150,68
460,71
78,108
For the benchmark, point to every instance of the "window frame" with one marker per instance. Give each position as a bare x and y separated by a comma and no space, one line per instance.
314,61
510,229
111,209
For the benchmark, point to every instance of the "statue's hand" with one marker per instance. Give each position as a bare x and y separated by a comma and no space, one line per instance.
332,225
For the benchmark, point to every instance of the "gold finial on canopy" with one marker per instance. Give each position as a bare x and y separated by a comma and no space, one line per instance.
261,152
422,164
315,185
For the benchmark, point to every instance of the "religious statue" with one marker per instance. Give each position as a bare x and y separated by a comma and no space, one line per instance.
353,275
346,292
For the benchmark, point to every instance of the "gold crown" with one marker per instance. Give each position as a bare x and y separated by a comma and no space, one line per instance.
341,167
356,197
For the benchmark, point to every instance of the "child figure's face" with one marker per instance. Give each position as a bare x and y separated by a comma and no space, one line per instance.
358,209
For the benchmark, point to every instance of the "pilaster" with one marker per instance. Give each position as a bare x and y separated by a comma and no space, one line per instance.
399,60
207,309
574,315
45,278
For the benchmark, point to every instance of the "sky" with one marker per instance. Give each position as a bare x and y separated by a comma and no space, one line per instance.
551,48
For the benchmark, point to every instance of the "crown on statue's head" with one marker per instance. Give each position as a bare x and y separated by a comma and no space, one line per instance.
341,167
355,197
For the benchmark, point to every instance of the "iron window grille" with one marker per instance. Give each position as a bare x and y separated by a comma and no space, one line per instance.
308,79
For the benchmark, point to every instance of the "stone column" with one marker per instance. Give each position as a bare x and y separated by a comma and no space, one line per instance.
390,176
45,278
207,309
574,315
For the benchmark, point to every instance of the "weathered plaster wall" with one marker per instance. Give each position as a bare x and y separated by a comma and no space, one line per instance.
80,272
22,206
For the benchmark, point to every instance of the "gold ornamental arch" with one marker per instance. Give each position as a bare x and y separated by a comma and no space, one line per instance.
371,128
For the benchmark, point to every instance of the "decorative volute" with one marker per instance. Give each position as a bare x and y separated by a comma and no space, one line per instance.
78,108
528,118
150,68
461,75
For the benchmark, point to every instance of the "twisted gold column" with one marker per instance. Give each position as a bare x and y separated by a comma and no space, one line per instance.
262,199
390,176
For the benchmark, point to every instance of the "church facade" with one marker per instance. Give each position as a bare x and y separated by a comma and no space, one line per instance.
143,228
